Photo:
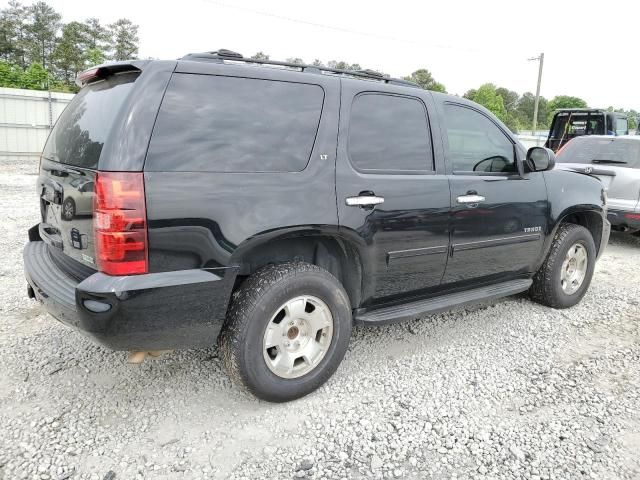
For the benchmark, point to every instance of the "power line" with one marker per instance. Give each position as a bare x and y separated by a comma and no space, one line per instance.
331,27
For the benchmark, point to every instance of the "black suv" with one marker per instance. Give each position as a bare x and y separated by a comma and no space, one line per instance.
270,206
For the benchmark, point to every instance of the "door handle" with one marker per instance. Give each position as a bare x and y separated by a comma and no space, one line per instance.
466,199
364,201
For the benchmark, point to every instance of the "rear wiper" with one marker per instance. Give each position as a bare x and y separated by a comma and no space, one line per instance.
621,162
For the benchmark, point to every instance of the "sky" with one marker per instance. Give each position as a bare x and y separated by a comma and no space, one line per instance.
592,49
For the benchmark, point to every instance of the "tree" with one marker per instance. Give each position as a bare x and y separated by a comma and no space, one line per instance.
633,117
526,107
35,77
124,39
509,98
38,51
260,56
424,78
566,101
342,65
70,54
10,75
296,60
487,96
96,56
97,36
13,34
470,94
43,30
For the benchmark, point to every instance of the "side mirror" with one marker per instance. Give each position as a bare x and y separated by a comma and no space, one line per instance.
540,159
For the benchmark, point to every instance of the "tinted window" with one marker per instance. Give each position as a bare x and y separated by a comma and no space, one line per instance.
228,124
624,151
570,125
622,126
389,132
80,132
476,144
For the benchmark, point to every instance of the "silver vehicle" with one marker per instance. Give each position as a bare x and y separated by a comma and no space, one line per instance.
78,198
616,162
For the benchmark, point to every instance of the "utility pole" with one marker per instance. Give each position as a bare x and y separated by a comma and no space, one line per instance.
535,105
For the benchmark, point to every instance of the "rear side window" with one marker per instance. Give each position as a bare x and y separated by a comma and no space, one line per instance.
228,124
389,133
80,132
622,126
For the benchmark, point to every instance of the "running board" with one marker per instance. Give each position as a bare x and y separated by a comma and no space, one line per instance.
412,310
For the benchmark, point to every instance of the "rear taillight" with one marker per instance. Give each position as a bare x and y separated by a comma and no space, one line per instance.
120,223
632,216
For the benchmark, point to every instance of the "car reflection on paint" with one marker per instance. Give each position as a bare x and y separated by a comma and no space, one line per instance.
78,198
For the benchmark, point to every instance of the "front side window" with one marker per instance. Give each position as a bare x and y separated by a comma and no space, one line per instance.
213,123
389,133
476,144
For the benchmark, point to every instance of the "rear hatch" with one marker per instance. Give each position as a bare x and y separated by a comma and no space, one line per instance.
614,160
70,160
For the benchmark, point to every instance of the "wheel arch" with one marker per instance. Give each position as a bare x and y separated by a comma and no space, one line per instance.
592,220
327,247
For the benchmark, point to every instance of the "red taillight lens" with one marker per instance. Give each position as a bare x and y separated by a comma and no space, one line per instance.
632,216
120,223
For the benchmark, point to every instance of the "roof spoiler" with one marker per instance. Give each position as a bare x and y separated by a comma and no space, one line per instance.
106,70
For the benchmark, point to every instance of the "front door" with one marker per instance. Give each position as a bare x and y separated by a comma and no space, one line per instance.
498,215
392,197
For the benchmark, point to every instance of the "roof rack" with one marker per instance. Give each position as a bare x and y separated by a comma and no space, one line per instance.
221,55
581,110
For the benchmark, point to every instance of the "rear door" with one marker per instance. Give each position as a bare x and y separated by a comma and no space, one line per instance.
69,164
498,216
393,197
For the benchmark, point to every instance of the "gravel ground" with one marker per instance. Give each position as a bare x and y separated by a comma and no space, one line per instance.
514,390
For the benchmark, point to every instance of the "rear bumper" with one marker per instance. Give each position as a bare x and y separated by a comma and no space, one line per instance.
624,219
155,311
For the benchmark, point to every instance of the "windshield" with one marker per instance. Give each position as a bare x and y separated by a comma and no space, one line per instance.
624,151
79,134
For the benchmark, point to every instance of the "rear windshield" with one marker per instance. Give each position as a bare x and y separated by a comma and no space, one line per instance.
625,151
572,125
79,134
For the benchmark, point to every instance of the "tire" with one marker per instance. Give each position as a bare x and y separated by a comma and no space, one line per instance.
547,287
256,307
68,209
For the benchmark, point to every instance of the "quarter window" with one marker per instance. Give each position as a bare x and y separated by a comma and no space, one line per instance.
476,144
213,123
389,133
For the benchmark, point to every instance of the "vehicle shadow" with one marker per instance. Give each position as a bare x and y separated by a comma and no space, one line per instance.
624,239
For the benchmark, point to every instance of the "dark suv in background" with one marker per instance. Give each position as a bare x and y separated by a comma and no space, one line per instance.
270,206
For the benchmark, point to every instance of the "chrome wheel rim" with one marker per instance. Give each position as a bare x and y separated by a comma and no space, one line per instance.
574,269
68,210
297,337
